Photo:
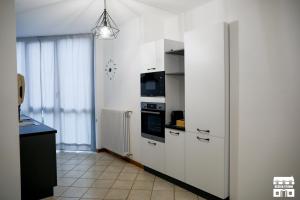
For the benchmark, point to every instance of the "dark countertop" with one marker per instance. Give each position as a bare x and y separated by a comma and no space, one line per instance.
34,128
175,127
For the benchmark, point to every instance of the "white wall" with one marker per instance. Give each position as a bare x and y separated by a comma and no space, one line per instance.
9,133
123,91
269,94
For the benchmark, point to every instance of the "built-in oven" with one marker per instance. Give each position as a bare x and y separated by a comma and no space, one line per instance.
153,121
153,84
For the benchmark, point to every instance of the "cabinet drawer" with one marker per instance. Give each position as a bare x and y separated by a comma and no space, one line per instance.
175,153
153,154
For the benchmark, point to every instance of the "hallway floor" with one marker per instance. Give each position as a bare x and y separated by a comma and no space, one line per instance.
104,176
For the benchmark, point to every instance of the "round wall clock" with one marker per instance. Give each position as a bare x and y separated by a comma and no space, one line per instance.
110,69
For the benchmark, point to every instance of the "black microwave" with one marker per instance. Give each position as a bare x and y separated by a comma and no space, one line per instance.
153,84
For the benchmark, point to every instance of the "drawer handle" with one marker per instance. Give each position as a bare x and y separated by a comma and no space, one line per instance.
203,139
203,131
174,133
153,68
152,143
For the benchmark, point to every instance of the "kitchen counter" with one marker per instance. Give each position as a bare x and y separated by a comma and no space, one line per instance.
170,126
37,159
29,127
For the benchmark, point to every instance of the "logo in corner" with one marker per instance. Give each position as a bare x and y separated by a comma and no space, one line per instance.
283,187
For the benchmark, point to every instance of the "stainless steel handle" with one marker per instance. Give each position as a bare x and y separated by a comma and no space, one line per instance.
203,139
152,143
153,68
203,131
174,133
151,112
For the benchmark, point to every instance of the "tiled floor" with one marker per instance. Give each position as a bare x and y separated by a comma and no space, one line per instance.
103,176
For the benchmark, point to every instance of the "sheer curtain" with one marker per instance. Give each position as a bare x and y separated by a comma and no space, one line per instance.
59,86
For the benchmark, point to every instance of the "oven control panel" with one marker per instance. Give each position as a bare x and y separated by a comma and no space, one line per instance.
152,106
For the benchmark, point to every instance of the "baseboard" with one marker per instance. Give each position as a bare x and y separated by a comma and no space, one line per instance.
186,186
129,160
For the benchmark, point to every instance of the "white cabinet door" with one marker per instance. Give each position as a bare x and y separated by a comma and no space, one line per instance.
205,168
153,56
175,153
153,154
206,80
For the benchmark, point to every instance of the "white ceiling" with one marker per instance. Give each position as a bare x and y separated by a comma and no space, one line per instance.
53,17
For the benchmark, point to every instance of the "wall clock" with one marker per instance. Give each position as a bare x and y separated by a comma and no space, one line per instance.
110,69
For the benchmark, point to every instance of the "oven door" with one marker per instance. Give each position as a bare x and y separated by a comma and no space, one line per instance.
153,125
153,84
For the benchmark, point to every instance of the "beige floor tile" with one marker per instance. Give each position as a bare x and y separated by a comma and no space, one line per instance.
65,167
61,173
65,181
58,190
114,169
103,184
120,163
107,158
201,198
82,167
108,176
105,176
122,184
131,169
74,174
163,185
74,192
91,174
73,162
185,196
95,193
103,162
83,182
145,176
97,168
117,194
127,176
139,195
179,189
162,195
143,185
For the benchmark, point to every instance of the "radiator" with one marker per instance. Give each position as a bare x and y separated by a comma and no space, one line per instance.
115,131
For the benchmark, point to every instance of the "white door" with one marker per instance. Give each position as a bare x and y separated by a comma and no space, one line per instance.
153,154
175,153
206,80
204,166
153,56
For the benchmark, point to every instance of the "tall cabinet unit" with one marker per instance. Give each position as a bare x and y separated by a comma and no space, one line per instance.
207,109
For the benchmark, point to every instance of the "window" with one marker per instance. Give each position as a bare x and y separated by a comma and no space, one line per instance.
59,86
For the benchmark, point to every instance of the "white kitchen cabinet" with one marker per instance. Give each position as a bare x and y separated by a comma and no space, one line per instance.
174,153
206,80
153,56
153,154
205,165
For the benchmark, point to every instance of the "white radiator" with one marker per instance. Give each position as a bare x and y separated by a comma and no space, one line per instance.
115,131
